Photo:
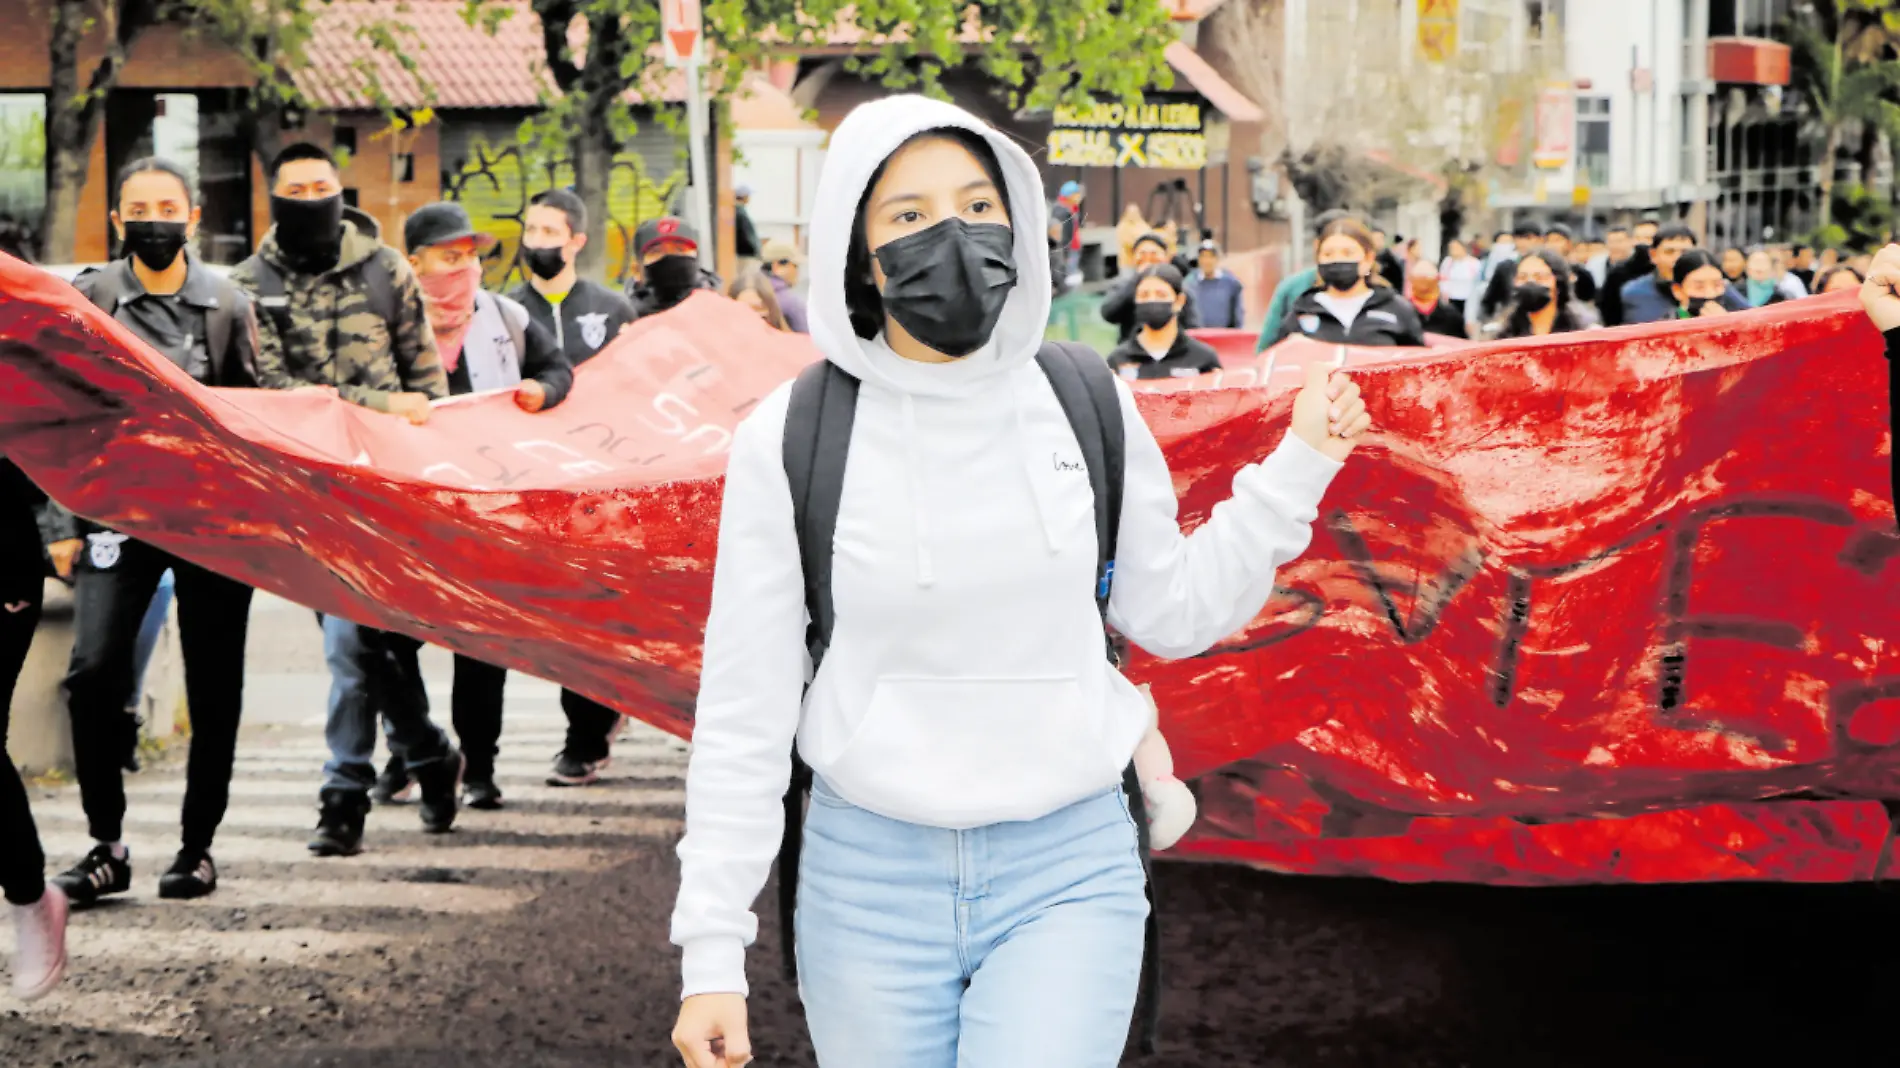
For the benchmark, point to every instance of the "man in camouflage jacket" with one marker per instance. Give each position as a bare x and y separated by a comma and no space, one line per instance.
358,326
338,308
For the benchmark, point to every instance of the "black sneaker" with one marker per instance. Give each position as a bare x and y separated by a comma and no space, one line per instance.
393,786
481,793
99,874
340,824
441,782
571,772
192,875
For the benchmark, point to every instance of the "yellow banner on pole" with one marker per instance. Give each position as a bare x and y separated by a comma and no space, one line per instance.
1437,30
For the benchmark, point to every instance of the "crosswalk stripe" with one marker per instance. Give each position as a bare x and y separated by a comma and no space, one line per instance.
403,818
531,770
444,898
540,752
304,946
607,793
244,849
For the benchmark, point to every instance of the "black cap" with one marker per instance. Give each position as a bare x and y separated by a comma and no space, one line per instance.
665,228
439,224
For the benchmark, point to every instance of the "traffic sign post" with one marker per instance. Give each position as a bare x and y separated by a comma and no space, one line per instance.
683,43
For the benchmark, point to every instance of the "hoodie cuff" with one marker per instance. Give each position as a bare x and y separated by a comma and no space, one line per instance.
1299,472
713,965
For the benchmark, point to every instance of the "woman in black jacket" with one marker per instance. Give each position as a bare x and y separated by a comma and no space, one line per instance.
1161,347
1351,305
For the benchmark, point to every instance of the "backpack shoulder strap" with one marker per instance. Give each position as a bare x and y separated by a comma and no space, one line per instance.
220,321
818,421
101,286
1085,387
379,285
516,318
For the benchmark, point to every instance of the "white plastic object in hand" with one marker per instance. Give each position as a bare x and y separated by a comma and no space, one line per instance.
1171,805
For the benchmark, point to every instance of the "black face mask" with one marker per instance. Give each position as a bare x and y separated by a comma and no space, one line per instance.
1340,276
1696,304
672,278
947,285
1532,296
156,244
546,263
309,232
1154,314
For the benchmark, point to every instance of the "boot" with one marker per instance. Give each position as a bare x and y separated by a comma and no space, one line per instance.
340,823
441,782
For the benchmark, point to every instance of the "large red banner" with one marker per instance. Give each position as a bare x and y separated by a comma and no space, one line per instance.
1597,607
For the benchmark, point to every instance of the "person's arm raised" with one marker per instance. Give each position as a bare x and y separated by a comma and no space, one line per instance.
1175,595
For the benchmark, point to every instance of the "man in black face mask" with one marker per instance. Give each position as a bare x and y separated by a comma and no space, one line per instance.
341,310
582,315
669,265
163,293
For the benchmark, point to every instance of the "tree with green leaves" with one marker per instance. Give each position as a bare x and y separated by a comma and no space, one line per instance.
603,56
269,35
1847,69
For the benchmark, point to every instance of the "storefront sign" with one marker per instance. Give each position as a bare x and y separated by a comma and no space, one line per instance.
1166,130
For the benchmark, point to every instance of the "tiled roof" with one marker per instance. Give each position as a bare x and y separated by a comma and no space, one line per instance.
466,66
1207,81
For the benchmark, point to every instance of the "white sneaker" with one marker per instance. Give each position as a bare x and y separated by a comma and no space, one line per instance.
39,945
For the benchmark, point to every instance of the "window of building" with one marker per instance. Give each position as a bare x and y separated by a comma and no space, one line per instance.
344,140
350,196
22,168
405,166
202,132
1760,18
1747,18
1593,141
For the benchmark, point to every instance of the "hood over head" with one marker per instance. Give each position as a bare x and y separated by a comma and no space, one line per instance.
861,144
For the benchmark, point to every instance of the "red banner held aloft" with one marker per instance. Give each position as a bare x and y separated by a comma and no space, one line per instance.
1608,606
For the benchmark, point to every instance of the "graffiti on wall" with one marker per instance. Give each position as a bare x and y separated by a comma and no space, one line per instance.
496,180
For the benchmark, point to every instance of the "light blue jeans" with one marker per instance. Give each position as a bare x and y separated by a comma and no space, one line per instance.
155,615
374,671
1007,945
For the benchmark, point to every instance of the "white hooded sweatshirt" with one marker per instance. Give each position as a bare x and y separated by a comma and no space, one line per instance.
965,683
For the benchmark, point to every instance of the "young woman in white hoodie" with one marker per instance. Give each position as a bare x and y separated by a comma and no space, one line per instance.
970,889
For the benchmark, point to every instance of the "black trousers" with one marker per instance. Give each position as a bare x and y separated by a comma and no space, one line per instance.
590,726
475,705
114,581
22,863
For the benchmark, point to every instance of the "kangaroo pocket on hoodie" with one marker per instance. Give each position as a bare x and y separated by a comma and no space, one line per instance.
963,752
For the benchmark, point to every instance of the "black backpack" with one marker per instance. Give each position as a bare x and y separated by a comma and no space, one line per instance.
818,422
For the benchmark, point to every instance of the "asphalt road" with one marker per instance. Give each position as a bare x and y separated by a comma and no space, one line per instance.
537,937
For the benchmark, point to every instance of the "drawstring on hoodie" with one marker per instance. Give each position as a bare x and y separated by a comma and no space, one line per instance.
913,479
920,526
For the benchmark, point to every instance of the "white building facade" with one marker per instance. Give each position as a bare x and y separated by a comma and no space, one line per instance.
1637,103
